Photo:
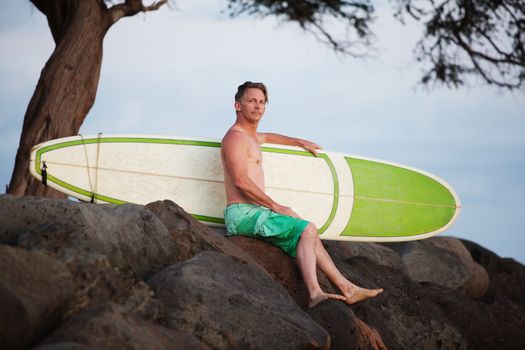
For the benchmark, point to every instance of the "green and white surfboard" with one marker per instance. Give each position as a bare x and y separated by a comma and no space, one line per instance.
348,197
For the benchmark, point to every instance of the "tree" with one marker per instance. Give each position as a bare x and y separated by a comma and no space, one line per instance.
463,37
470,38
68,83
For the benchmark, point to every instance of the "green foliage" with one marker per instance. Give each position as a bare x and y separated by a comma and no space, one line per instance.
470,38
317,17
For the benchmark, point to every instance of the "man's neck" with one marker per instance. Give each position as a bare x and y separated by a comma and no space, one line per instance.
246,127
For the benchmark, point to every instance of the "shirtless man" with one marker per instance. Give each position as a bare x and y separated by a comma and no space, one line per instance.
250,212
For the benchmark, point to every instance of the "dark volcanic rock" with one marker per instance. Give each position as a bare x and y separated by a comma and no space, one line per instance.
402,314
484,326
230,304
281,267
67,265
104,246
437,262
345,328
34,293
109,326
478,280
191,236
129,235
64,346
507,276
380,254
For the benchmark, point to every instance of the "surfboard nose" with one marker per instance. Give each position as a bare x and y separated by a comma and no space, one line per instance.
393,201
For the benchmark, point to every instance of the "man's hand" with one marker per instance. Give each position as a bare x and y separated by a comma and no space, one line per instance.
287,140
310,147
281,209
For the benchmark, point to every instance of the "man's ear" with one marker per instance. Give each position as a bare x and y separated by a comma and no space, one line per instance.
237,106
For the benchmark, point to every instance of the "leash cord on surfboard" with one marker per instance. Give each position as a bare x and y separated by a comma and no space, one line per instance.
96,169
91,187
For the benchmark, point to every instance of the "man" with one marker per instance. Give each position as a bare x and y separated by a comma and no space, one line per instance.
250,212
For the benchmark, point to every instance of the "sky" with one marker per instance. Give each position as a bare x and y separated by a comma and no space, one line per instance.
175,71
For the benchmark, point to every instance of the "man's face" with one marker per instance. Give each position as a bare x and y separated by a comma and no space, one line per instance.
252,104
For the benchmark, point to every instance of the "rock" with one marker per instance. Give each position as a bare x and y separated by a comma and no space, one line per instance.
507,276
402,314
192,236
478,281
82,268
64,346
484,326
109,326
427,262
380,254
106,247
230,304
97,281
129,235
281,267
346,330
34,292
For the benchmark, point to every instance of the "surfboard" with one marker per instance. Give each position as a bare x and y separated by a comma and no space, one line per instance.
349,198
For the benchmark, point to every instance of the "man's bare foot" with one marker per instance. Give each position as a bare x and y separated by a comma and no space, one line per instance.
354,294
324,296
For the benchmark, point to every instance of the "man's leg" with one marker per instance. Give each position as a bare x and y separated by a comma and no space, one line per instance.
352,292
307,261
310,254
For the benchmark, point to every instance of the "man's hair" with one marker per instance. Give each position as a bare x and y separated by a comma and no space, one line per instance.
250,85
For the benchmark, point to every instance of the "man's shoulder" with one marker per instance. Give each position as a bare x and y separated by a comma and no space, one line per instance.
236,136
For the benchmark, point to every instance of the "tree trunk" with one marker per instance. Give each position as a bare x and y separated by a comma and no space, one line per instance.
67,86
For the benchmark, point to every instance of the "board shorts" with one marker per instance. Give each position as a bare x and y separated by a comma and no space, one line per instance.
251,220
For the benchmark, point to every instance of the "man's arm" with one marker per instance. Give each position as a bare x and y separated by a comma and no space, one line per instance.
287,140
234,148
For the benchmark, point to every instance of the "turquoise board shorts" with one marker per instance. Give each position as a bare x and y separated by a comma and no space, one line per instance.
253,220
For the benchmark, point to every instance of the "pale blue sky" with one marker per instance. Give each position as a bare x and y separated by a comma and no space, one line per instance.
175,72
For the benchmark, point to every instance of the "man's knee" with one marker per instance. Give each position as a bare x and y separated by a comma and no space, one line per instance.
310,230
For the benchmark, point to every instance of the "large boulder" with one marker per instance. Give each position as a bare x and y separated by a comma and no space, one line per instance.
428,262
230,304
345,328
108,249
507,279
402,314
483,325
109,326
478,281
129,235
192,236
34,293
64,346
281,267
380,254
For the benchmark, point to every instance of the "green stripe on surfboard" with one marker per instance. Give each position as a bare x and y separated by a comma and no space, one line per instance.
391,201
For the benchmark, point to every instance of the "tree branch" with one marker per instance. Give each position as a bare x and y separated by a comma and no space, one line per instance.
471,38
355,15
131,8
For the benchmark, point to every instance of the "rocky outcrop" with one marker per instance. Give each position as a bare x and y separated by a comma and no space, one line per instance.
34,292
231,305
85,276
345,328
110,326
444,261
